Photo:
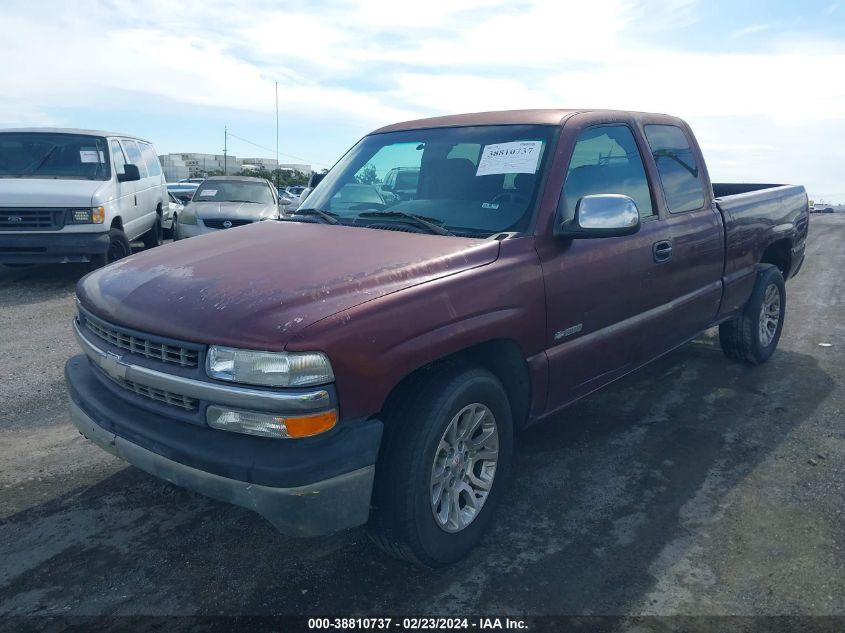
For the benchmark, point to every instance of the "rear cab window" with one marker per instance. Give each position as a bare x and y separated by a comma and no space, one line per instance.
606,159
680,176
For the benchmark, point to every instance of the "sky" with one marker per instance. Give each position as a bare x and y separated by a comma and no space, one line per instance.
762,83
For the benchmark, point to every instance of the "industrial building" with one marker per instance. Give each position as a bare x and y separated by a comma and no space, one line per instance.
193,165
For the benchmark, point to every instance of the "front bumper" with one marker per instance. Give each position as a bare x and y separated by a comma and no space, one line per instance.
38,248
304,487
193,230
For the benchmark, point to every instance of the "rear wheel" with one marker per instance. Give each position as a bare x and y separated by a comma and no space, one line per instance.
442,468
152,238
753,336
118,249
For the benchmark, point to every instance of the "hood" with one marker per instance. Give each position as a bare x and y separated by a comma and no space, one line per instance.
245,210
48,192
259,286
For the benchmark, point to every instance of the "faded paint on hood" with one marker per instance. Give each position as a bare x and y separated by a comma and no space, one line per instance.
257,287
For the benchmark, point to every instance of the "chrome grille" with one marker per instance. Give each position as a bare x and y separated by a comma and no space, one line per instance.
220,224
159,395
163,352
31,218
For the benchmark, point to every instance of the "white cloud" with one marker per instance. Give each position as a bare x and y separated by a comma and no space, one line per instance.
370,63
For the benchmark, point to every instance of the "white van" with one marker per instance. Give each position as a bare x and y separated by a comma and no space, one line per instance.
70,195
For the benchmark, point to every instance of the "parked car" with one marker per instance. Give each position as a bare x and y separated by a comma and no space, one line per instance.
402,182
371,363
294,191
71,195
223,202
355,196
171,215
184,191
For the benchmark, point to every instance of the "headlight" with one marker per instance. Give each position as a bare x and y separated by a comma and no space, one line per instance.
95,215
270,369
188,216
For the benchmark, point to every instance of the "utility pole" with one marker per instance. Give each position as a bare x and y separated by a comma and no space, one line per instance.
225,147
277,135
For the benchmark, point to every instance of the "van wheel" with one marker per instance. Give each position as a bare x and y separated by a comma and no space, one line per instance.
443,465
152,238
753,336
118,249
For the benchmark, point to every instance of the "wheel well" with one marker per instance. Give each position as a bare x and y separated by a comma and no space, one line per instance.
501,357
158,209
779,253
117,223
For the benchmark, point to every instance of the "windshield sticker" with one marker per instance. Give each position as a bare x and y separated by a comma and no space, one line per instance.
489,205
518,157
91,156
208,192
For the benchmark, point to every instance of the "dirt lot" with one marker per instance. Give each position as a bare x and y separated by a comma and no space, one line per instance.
697,486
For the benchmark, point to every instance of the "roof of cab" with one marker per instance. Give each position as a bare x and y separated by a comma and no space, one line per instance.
72,130
503,117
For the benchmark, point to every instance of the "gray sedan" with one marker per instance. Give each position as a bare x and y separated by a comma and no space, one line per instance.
223,202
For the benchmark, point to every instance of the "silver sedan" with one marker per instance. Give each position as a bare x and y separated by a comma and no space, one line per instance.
224,202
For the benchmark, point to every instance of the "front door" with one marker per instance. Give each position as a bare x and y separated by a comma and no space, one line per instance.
604,296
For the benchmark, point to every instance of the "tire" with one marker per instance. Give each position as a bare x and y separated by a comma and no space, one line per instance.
175,229
412,464
153,237
170,233
753,336
118,249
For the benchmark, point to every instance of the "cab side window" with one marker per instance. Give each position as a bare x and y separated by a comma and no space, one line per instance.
118,157
678,169
135,157
606,159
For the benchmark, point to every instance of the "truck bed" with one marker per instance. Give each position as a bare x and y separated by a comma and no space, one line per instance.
758,218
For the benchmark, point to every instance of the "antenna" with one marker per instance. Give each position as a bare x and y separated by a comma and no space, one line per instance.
225,147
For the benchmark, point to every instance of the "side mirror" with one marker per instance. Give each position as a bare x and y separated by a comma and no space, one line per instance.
305,193
130,173
387,187
602,215
285,202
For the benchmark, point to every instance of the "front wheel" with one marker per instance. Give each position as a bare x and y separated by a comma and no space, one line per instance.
442,468
753,336
153,237
118,249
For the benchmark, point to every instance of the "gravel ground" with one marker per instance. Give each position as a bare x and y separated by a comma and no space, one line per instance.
696,486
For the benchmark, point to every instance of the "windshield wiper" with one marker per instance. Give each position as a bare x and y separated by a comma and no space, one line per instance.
43,160
417,219
328,216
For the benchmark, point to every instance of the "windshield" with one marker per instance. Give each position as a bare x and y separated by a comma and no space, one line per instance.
53,155
472,181
256,191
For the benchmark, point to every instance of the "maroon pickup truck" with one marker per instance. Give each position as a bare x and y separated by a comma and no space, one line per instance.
371,357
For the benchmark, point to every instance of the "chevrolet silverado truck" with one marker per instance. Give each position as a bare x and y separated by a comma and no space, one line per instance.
364,362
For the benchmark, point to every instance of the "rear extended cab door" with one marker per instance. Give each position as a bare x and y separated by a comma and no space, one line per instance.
614,304
694,258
